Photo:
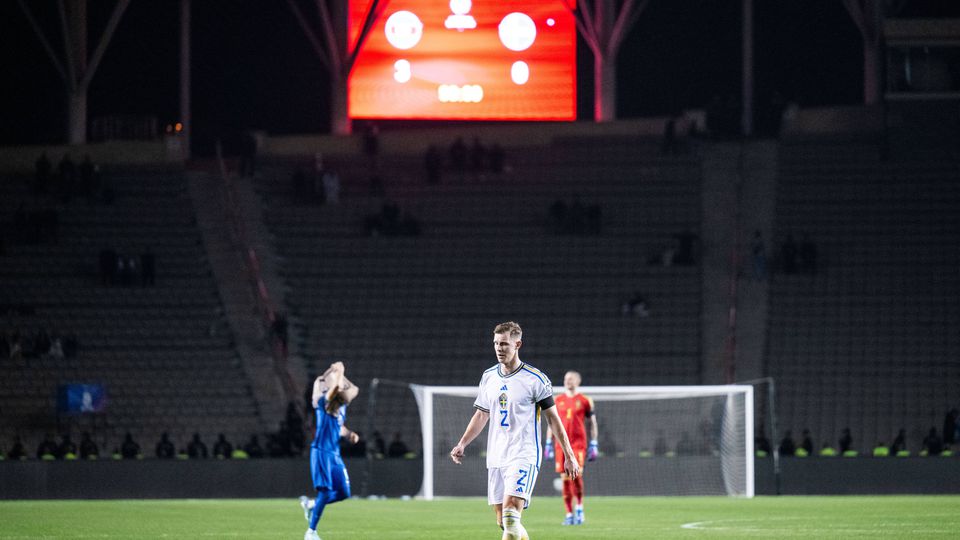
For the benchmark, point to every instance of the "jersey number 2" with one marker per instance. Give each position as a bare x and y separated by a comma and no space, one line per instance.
503,419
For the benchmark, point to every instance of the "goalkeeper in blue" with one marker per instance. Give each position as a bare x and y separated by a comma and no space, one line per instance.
332,392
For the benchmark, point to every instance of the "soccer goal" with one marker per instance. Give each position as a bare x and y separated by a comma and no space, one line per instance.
654,440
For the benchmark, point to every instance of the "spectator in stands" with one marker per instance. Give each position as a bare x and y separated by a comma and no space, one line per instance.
788,255
371,142
899,443
148,267
131,276
15,345
47,450
88,448
295,432
458,155
433,164
660,447
196,449
317,181
222,449
55,352
478,157
932,443
636,306
252,448
758,253
951,422
130,449
331,188
787,446
397,447
379,446
165,448
846,441
17,451
807,442
761,443
808,255
67,448
274,447
686,446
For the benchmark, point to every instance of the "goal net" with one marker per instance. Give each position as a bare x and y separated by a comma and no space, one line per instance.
654,440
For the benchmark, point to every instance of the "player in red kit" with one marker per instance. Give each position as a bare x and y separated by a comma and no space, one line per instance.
576,410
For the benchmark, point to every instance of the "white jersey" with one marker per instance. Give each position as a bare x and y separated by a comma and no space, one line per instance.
513,435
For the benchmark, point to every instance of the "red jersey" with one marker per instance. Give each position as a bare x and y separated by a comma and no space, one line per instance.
573,412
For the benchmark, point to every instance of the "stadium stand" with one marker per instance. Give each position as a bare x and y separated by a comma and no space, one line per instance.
163,352
421,309
869,341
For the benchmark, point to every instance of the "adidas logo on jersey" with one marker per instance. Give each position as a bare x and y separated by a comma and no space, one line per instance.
504,388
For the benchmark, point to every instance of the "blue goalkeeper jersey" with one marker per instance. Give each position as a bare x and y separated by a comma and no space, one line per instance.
327,438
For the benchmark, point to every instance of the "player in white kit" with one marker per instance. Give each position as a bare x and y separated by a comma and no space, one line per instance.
511,397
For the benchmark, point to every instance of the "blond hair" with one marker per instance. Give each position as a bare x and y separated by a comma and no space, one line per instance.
511,328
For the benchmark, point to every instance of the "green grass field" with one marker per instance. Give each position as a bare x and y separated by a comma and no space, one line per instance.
609,518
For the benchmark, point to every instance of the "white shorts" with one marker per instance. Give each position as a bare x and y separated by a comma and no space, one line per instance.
516,480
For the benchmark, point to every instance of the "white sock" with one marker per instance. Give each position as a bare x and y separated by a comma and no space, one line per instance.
512,529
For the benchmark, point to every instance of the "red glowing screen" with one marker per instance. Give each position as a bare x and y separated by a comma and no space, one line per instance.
465,60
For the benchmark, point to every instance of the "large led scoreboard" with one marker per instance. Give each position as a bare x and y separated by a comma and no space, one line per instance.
465,60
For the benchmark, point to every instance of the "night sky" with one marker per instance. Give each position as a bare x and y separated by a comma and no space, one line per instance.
253,67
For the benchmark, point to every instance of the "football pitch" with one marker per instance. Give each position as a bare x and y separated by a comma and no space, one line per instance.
469,518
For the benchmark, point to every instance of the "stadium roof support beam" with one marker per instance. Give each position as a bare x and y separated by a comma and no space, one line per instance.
76,69
868,16
335,53
604,24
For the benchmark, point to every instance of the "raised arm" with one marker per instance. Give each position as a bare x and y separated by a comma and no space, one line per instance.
570,464
476,425
337,385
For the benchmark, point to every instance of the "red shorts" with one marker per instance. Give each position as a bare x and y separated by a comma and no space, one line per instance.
578,451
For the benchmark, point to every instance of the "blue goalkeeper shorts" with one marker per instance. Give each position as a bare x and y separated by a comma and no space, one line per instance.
329,474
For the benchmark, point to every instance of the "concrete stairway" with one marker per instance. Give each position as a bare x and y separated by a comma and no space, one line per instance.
238,294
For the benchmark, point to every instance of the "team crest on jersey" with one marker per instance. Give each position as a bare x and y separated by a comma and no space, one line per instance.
503,400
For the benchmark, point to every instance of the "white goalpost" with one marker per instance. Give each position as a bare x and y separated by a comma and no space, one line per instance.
654,440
